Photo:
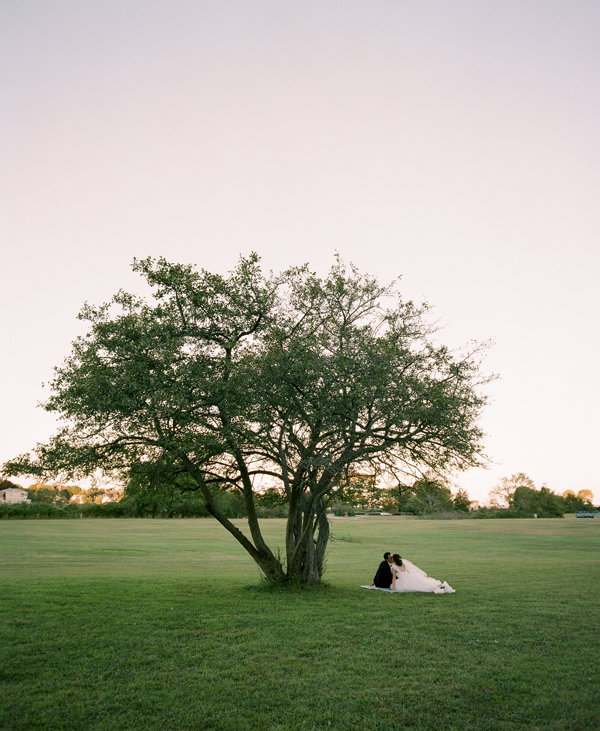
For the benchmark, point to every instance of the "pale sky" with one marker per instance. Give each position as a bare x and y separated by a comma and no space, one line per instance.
454,143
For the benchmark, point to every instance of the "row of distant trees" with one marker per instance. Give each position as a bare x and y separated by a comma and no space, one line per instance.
433,494
162,500
428,495
62,494
519,493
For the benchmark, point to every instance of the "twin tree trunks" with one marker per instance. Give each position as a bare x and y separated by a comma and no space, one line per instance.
247,381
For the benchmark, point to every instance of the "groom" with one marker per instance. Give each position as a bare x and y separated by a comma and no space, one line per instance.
383,577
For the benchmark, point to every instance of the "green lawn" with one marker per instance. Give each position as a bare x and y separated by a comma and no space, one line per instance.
163,624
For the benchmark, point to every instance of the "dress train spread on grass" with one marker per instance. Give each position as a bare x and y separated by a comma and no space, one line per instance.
414,579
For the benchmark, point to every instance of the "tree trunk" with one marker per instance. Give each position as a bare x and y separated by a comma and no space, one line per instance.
307,534
322,538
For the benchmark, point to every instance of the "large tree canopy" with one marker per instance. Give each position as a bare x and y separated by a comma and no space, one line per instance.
249,381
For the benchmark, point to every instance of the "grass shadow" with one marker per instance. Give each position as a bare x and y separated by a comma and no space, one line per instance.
293,586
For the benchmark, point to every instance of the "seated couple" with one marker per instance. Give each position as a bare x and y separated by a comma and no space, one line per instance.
399,575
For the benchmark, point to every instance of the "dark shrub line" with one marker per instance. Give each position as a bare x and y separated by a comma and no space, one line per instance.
122,509
129,509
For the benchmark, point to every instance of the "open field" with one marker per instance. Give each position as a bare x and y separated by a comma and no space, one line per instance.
162,624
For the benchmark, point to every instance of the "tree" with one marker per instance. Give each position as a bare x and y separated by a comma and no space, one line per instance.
430,494
587,496
462,501
272,497
501,495
581,501
358,490
542,502
64,494
403,495
228,382
39,493
7,484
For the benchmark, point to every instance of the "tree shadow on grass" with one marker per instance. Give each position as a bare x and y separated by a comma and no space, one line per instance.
290,587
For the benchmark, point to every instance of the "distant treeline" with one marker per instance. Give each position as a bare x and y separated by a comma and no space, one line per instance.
62,494
427,497
186,505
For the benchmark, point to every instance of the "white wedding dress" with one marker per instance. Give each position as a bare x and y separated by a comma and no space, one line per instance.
415,579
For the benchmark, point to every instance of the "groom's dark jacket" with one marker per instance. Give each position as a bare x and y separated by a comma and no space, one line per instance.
383,577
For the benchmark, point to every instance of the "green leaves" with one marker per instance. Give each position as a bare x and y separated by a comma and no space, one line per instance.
303,374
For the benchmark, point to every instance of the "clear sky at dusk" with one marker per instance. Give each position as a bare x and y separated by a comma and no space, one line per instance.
453,143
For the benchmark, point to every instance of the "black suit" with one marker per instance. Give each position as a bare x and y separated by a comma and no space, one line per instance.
383,577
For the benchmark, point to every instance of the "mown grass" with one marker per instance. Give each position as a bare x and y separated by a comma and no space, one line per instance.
164,624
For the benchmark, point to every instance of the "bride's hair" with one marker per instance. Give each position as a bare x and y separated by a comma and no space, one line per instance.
397,559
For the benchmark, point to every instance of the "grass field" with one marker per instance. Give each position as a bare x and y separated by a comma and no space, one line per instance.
164,624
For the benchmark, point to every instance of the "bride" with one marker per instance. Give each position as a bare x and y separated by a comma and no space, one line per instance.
406,577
